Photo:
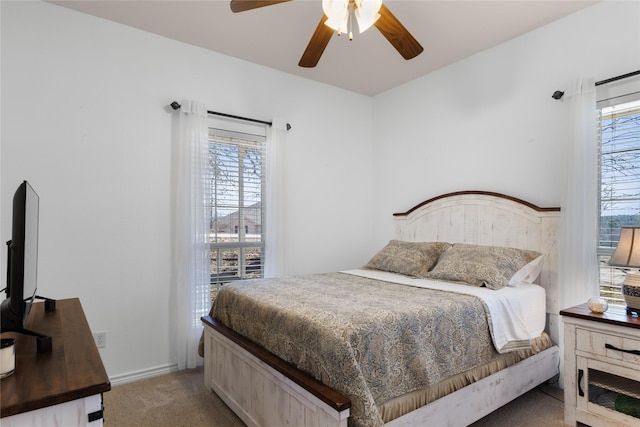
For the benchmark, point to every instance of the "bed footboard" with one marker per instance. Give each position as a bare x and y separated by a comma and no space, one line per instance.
471,403
263,390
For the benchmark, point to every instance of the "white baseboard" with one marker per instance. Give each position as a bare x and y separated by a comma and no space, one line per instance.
143,374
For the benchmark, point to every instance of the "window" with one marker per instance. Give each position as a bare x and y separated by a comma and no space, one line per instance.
237,167
619,171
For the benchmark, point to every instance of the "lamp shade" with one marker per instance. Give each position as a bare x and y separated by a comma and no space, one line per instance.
367,13
337,12
627,253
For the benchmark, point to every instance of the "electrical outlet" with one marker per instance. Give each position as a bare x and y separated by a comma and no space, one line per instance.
100,339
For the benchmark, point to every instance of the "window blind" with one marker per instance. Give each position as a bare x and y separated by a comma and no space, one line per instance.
236,166
619,167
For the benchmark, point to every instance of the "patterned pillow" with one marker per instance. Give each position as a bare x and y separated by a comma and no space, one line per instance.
408,258
490,266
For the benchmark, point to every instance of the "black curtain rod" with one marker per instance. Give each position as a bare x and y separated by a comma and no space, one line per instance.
613,79
558,94
176,106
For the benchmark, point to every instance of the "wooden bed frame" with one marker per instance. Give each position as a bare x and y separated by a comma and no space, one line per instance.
263,390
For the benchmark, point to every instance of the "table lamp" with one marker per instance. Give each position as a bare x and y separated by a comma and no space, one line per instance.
627,254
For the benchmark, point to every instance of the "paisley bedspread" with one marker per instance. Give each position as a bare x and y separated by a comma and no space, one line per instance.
371,340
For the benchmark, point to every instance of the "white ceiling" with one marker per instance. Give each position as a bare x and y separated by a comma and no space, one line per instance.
276,36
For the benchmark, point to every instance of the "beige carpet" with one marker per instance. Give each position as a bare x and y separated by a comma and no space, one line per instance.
176,399
180,399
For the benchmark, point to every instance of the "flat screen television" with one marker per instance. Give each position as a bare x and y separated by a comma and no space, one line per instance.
22,265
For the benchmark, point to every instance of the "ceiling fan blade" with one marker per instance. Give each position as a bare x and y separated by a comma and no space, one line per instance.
317,44
244,5
397,34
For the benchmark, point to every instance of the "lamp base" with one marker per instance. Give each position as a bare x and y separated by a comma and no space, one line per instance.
632,298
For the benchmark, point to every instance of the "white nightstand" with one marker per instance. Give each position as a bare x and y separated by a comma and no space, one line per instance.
602,367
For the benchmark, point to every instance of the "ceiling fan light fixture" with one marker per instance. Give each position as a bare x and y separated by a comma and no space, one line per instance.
364,22
341,26
367,13
337,12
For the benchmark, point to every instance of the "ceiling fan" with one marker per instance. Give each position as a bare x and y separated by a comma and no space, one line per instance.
382,19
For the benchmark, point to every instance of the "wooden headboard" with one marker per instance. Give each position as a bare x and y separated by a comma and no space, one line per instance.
485,218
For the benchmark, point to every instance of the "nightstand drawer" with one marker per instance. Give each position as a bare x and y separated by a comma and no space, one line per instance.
608,346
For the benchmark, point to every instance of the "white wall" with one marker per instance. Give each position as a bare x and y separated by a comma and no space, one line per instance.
85,120
488,122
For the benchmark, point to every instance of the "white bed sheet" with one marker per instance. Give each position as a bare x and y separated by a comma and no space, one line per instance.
517,313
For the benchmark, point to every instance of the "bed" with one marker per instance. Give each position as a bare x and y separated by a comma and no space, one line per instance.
273,369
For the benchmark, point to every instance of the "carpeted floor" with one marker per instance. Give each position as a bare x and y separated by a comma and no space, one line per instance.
180,399
177,399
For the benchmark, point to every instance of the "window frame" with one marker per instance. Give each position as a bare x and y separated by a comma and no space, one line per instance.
614,94
246,136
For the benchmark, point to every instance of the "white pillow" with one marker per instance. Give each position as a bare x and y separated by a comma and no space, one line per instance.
529,273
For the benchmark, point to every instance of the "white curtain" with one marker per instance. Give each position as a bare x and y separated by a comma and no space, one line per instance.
578,274
274,203
191,240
